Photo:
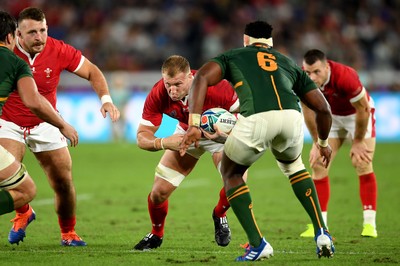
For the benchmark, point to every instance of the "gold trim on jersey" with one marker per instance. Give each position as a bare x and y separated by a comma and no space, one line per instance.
240,83
276,92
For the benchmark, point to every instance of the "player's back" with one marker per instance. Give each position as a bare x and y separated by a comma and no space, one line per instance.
264,79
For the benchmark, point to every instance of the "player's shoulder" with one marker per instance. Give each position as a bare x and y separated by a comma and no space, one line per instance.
158,90
340,67
342,73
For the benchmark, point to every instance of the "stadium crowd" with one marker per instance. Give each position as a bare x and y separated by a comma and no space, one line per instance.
138,35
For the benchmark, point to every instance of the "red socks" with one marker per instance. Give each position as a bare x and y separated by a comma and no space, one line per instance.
23,209
222,205
158,213
67,225
368,191
324,192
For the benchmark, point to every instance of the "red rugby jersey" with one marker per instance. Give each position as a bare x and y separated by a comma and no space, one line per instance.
343,85
46,68
158,103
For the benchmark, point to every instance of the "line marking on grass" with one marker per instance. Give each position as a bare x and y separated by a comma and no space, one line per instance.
50,201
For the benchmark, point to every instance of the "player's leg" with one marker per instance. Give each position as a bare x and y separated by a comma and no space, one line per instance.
320,176
170,172
237,158
286,148
57,165
17,189
11,138
368,191
222,232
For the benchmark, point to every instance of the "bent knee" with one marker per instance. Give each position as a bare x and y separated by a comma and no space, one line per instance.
289,169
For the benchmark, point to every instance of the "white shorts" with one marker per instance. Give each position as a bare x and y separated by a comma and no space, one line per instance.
204,145
43,137
344,127
280,131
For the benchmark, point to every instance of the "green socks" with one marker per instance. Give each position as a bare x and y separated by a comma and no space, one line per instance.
6,202
240,200
304,189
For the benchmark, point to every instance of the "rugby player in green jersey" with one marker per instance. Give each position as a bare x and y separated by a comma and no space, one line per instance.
269,86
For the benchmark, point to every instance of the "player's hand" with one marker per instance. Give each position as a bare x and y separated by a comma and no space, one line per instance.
193,134
315,156
110,108
218,136
325,155
70,133
173,142
360,153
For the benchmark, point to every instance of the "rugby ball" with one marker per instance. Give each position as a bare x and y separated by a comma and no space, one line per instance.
220,117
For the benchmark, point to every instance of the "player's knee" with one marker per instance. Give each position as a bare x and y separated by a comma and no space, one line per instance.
171,176
289,169
16,179
364,168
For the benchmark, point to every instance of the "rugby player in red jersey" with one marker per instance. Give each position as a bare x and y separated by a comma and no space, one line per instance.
353,119
170,96
47,58
16,185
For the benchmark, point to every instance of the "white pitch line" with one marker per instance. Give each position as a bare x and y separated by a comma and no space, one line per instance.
50,201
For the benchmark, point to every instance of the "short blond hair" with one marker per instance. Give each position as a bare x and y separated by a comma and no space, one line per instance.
174,65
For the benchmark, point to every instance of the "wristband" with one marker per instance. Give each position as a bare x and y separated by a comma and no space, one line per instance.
105,99
162,144
194,120
322,142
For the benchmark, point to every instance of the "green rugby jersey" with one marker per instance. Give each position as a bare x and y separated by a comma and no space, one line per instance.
12,68
264,79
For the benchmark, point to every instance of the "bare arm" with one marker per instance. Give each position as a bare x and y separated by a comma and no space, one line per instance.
318,118
146,139
93,74
319,121
41,107
359,151
209,74
363,111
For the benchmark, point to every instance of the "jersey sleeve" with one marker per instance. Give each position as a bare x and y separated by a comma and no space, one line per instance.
23,70
350,84
71,57
152,114
303,84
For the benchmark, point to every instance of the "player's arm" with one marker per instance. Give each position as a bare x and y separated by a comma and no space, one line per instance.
316,101
359,151
93,74
147,140
208,75
41,107
309,119
363,111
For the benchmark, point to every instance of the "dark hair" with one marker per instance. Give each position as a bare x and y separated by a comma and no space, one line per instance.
258,29
313,56
33,13
8,24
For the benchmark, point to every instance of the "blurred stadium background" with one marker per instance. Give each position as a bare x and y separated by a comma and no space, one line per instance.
129,39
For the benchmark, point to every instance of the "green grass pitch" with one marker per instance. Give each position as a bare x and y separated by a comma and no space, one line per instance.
113,181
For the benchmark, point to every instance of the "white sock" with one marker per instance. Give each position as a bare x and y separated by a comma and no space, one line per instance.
369,217
325,217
